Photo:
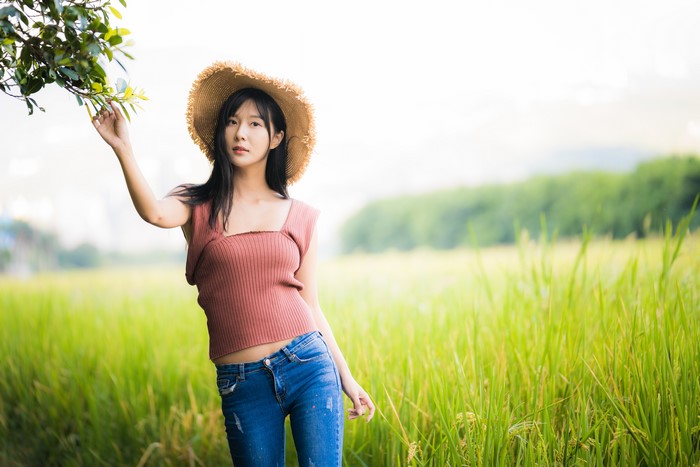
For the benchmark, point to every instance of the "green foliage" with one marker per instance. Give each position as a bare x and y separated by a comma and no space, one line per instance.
602,203
85,255
63,42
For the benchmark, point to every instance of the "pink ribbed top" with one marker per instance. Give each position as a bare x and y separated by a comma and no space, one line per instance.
246,282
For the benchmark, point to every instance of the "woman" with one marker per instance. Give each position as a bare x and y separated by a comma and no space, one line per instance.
252,254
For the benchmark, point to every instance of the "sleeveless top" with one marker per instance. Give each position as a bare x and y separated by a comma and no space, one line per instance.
246,282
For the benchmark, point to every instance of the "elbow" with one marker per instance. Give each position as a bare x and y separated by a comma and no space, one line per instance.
153,218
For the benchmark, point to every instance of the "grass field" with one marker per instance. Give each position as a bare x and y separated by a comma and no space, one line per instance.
576,353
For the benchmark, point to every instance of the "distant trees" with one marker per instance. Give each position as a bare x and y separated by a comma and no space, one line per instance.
606,203
25,249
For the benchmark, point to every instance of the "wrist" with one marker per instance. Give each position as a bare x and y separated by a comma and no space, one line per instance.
345,374
123,151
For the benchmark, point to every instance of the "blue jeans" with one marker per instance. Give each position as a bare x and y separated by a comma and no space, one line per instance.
299,380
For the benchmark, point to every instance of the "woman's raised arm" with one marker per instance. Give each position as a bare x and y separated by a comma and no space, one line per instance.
167,212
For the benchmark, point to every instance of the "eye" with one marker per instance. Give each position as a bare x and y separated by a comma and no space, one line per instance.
256,124
230,121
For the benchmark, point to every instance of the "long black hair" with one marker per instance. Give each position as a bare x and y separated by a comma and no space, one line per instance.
219,187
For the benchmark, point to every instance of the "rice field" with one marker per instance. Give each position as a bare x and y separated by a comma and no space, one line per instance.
544,353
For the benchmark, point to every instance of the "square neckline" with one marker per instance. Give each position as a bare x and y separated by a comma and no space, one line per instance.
222,234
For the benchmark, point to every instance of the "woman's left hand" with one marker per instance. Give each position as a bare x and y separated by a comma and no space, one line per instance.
360,399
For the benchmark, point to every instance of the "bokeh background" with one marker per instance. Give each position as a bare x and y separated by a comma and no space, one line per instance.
409,97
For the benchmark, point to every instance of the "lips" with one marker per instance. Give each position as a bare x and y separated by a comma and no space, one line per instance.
239,149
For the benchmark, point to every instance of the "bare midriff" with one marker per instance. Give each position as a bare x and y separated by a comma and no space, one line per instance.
251,354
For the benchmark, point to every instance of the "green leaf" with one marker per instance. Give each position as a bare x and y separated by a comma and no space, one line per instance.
93,48
115,12
35,85
126,113
80,101
101,27
115,40
69,73
9,48
123,2
7,27
23,18
98,71
49,32
19,75
25,58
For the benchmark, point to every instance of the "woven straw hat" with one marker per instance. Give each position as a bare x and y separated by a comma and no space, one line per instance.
221,79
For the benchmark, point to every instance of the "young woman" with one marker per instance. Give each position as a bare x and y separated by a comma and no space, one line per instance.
252,255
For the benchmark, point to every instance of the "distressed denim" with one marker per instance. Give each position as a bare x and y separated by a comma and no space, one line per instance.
300,380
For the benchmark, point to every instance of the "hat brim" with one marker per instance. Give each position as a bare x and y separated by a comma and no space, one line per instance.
221,79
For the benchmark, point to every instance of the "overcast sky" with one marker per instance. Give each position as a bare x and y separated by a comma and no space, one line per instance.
409,96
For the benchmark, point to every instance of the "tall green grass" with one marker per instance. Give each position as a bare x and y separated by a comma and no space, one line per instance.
546,353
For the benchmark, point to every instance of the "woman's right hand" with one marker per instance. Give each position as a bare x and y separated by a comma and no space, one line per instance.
112,127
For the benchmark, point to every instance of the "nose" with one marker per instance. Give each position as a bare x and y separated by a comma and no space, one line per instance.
241,133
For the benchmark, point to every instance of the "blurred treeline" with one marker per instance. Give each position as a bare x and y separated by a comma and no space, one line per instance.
615,204
26,249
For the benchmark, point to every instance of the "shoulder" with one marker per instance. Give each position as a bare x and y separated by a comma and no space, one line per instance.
199,214
302,206
301,224
301,211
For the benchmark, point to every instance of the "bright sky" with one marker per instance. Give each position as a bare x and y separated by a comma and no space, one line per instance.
409,96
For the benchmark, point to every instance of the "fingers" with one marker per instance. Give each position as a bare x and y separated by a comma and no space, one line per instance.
357,409
101,116
361,403
370,406
117,112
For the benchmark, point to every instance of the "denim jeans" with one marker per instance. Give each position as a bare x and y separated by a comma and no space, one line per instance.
300,380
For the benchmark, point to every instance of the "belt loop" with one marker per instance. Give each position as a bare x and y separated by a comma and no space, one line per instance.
241,371
287,353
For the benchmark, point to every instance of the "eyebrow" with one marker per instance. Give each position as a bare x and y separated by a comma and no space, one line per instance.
252,116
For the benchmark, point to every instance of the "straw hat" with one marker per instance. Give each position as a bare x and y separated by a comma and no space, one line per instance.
221,79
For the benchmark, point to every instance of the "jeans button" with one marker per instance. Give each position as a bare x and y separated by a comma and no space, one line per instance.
267,362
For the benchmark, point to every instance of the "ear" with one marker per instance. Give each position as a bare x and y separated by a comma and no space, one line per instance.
277,139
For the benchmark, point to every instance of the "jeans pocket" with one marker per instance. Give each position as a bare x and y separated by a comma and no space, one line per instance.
314,351
226,385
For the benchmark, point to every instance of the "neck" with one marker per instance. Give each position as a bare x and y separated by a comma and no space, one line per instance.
251,185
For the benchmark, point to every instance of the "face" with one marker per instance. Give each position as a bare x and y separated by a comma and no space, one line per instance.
247,140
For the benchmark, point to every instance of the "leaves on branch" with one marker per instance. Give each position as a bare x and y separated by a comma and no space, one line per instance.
64,42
